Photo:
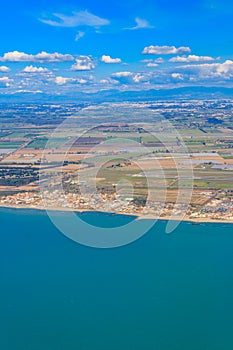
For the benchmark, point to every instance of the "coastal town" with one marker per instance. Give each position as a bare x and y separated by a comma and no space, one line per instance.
218,207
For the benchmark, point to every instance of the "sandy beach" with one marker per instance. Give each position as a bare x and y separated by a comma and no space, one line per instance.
138,216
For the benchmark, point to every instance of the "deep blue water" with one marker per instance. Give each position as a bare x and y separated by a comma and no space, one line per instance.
163,292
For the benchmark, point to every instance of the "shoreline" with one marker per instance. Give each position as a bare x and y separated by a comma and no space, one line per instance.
137,216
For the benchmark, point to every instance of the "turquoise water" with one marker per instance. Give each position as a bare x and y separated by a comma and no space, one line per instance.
163,292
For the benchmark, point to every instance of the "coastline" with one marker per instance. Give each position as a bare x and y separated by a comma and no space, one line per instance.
138,216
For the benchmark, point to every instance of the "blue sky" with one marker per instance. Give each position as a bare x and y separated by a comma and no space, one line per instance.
58,46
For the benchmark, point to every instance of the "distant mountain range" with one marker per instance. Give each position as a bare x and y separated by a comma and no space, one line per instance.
197,92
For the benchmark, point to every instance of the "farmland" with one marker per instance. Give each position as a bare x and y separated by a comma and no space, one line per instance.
166,154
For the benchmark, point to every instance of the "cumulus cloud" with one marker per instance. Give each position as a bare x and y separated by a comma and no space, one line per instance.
104,81
5,81
17,56
32,69
79,36
204,73
211,70
77,19
53,57
108,59
27,91
122,74
191,58
141,24
159,60
83,63
82,81
123,77
153,63
4,69
129,77
139,77
62,80
225,67
177,76
165,50
145,80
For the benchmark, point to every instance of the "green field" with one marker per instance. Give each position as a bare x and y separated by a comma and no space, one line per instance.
4,134
10,145
41,143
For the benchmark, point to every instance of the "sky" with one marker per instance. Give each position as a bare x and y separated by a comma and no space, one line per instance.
60,46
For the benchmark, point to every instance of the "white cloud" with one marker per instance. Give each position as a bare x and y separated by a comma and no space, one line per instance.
28,91
79,36
177,76
159,60
62,80
104,81
152,64
16,56
138,78
53,57
5,81
211,68
77,19
215,72
82,81
191,58
121,74
141,24
165,50
129,77
225,67
32,69
123,77
108,59
4,69
83,63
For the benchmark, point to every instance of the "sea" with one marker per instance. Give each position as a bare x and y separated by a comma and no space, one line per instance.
162,292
